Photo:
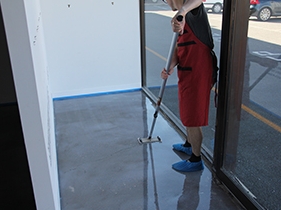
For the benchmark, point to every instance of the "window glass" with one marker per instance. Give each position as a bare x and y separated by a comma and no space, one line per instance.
253,145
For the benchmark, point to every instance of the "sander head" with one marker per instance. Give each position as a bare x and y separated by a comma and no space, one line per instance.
149,140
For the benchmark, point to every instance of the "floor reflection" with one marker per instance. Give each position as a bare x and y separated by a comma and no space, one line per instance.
102,166
190,192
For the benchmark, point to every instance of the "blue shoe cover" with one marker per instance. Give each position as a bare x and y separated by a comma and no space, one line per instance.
181,148
186,166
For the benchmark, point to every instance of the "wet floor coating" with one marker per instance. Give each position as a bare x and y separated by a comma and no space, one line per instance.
102,166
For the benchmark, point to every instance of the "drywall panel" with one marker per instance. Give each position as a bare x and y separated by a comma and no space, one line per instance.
92,45
25,37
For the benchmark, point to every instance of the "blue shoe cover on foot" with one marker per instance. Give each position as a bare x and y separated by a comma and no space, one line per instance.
186,166
181,148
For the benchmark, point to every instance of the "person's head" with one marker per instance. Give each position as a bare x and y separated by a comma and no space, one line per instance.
175,4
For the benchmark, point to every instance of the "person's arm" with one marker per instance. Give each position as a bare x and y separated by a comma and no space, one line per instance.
174,62
186,7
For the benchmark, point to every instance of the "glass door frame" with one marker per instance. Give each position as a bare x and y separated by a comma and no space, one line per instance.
232,64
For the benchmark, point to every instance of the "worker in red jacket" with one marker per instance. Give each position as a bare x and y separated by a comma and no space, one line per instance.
193,57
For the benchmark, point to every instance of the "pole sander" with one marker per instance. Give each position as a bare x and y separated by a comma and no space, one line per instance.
149,139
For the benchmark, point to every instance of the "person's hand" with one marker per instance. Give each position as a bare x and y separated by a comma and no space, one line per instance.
178,26
165,75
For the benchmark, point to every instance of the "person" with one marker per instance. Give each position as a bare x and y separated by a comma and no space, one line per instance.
193,57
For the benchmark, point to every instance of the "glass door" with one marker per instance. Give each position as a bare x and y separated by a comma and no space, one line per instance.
249,116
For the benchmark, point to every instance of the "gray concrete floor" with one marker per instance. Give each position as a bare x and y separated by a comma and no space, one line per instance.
102,166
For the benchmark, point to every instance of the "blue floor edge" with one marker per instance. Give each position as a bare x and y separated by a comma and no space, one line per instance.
96,94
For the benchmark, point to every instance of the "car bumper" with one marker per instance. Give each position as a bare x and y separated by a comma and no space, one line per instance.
208,6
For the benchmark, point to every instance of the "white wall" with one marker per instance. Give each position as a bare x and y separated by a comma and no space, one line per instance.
92,45
25,37
87,46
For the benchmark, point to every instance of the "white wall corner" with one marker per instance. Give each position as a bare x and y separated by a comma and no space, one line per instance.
26,45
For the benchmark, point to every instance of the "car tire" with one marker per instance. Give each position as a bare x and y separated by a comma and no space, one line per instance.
217,8
264,14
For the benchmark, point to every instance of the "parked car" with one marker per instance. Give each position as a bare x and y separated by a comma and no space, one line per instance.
214,5
264,9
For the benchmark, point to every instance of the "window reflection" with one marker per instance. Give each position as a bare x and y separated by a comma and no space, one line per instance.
254,139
